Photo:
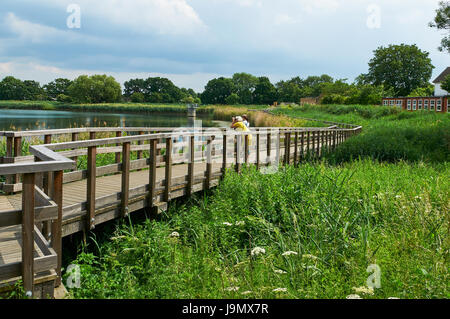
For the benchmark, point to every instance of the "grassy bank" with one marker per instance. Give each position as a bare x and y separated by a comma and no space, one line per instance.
388,133
308,232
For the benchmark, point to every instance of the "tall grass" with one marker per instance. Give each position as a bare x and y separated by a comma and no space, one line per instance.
336,220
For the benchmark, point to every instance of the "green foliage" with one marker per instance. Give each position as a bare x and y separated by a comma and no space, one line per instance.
95,89
423,91
15,89
217,90
402,68
156,90
442,22
244,86
137,97
445,85
265,92
336,220
232,99
57,87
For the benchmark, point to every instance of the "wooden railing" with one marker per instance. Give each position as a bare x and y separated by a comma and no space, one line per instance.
168,148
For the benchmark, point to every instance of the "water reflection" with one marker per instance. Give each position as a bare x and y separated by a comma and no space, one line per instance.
37,119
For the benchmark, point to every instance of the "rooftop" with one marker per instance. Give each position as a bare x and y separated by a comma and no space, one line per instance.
442,76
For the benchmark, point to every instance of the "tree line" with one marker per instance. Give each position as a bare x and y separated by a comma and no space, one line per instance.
396,70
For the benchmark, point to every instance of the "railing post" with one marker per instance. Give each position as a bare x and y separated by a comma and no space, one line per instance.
224,155
238,152
246,148
57,223
322,142
28,198
91,185
48,177
269,148
17,153
190,182
302,145
307,144
208,162
139,153
296,148
118,134
152,172
168,169
125,177
75,137
9,153
334,139
258,149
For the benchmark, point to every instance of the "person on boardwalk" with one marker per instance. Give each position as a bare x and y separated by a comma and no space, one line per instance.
245,120
238,125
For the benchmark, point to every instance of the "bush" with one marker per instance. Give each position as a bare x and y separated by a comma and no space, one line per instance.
137,97
64,98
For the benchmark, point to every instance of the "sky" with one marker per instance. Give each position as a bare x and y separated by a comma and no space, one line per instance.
194,41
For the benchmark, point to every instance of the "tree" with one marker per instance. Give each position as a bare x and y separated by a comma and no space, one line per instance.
232,99
57,87
423,91
265,92
137,97
442,22
95,89
400,67
244,86
33,90
314,82
445,85
289,91
217,90
12,89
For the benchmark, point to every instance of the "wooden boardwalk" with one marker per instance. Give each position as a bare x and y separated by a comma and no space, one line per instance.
49,198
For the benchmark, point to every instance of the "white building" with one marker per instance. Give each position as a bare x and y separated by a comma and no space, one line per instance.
438,91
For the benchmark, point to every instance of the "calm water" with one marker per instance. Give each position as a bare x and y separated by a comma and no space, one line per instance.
16,120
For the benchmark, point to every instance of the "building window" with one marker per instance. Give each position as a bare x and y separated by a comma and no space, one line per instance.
399,102
432,102
385,102
409,104
425,104
420,104
439,105
414,105
391,102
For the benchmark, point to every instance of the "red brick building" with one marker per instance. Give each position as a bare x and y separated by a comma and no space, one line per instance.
437,103
430,103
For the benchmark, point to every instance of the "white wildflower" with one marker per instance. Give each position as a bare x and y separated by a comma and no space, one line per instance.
353,296
257,250
232,289
364,290
280,290
289,252
227,224
174,234
310,256
393,298
248,292
279,271
398,196
240,223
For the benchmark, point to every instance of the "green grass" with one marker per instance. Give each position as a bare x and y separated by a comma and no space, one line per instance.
388,133
338,219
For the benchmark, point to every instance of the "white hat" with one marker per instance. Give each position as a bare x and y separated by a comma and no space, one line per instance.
239,118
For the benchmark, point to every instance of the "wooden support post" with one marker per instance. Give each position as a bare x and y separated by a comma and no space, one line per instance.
28,199
318,144
246,148
269,148
313,144
75,137
91,185
56,241
168,169
17,153
118,134
322,142
258,149
224,155
152,172
139,153
296,149
334,140
208,162
191,165
238,139
307,144
48,177
287,150
125,178
302,146
9,153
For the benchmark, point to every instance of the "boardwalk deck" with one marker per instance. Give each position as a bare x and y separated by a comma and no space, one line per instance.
100,194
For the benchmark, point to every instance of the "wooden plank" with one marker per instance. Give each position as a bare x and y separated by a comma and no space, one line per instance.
118,134
28,198
258,149
168,175
269,147
238,153
17,153
125,177
208,163
296,148
91,187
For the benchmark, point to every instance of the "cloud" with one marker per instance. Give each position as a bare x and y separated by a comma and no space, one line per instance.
282,18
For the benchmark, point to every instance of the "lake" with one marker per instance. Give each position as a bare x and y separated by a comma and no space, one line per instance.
21,120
